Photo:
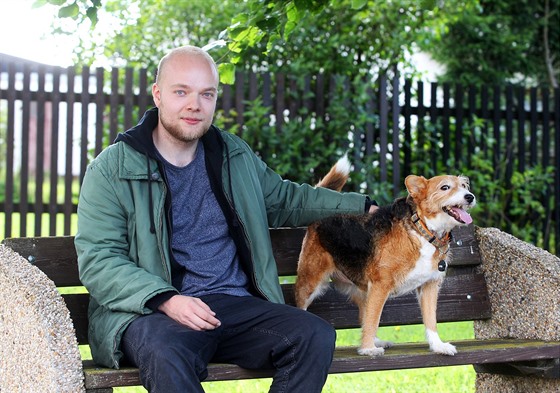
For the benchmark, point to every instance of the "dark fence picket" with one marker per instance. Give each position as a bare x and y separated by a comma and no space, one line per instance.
69,151
410,127
40,151
53,168
128,98
99,114
383,127
10,127
85,122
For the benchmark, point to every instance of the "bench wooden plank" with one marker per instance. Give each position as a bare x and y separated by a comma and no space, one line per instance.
346,359
462,298
56,256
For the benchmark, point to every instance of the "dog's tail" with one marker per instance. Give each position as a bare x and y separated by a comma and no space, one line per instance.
337,176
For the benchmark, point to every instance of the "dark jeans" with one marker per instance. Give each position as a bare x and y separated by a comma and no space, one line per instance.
254,334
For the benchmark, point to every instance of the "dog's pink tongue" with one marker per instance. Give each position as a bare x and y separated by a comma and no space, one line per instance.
465,217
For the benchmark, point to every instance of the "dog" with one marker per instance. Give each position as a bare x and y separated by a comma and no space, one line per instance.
400,248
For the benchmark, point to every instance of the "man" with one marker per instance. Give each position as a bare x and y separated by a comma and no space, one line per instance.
173,246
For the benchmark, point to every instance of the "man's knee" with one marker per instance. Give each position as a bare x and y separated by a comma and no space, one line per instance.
318,336
325,337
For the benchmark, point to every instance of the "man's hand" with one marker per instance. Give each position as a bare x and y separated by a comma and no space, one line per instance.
373,208
191,312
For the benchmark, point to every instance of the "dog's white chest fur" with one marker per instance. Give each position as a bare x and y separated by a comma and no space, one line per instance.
422,272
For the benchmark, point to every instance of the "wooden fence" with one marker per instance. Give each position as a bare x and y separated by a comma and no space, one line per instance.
54,120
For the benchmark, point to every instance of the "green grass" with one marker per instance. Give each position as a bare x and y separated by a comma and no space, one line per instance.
459,379
30,225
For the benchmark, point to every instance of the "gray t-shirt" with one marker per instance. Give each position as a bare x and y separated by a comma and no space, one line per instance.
200,240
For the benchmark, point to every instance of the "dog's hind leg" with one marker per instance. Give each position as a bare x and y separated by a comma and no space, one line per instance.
315,267
427,297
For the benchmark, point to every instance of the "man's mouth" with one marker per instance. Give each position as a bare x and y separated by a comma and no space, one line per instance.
458,213
190,120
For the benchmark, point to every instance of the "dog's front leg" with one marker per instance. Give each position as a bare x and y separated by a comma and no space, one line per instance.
427,297
370,314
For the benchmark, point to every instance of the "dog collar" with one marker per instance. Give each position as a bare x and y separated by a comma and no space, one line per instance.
442,244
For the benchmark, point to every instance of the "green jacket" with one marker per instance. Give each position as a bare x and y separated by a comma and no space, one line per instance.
123,238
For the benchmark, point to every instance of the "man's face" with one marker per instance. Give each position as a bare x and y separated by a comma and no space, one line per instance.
186,95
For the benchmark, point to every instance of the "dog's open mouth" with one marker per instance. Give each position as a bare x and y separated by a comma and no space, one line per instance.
458,213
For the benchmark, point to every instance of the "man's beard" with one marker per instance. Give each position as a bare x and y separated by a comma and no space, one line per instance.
175,130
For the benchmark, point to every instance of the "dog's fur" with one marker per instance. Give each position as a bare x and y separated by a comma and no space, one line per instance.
372,257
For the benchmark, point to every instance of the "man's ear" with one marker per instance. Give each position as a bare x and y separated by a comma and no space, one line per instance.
156,94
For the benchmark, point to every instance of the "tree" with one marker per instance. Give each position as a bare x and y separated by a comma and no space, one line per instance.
499,41
344,37
478,41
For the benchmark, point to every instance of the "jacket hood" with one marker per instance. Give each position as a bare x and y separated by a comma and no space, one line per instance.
139,137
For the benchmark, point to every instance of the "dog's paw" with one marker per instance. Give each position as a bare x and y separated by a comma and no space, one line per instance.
373,352
383,343
444,349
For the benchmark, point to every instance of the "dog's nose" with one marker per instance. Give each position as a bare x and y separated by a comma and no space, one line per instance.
469,198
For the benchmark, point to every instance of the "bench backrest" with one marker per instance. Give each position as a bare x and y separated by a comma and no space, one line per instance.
463,296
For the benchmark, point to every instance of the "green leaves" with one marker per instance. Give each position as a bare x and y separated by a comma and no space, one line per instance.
357,4
227,73
69,11
78,10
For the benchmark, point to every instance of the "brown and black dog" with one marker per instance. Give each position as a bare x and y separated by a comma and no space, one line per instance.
400,248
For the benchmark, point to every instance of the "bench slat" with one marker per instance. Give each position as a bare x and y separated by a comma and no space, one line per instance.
346,359
56,256
462,298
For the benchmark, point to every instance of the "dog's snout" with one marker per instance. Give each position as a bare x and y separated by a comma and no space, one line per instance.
469,198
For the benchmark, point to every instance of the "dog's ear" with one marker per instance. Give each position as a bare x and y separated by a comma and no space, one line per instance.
415,185
465,181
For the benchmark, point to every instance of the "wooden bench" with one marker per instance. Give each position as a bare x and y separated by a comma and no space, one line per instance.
463,297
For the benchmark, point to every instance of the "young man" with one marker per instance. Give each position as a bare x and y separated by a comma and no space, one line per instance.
173,246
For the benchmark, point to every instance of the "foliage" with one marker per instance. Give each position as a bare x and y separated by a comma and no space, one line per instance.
486,42
519,207
477,41
145,39
336,37
345,37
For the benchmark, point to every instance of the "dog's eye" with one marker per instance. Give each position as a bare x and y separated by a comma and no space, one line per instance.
445,187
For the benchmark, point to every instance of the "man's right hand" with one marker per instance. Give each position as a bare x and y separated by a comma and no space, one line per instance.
191,312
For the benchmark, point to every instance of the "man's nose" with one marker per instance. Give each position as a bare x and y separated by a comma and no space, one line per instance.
193,102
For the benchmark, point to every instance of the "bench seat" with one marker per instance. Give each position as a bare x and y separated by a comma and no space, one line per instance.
346,360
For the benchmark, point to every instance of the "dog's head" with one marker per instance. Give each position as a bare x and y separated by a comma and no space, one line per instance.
441,201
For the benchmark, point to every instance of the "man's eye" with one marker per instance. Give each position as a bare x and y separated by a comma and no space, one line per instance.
180,92
208,95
